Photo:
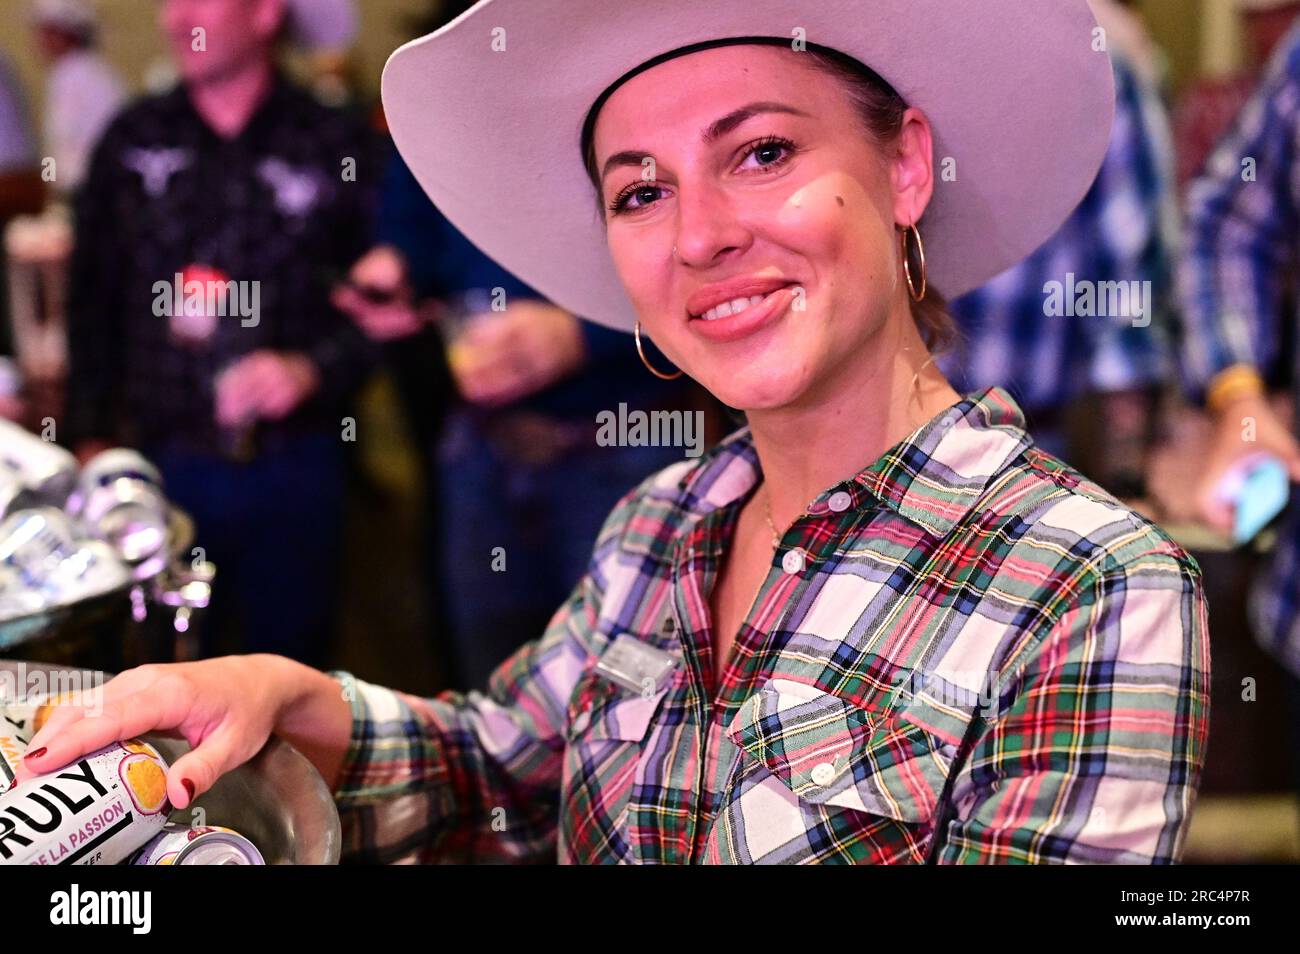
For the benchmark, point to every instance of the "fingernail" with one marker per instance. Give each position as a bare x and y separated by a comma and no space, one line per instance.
189,788
35,754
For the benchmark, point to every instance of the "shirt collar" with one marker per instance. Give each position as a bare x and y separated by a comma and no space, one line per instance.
931,478
276,103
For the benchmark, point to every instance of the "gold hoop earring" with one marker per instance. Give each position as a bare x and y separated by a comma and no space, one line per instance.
636,333
907,265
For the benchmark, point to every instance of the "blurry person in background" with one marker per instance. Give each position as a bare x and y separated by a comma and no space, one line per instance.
517,485
1237,280
82,92
1209,105
212,222
21,193
82,95
1032,330
509,425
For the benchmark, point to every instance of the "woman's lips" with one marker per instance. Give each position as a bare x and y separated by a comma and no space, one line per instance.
729,322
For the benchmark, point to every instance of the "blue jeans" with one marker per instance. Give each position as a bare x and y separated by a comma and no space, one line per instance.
274,528
545,519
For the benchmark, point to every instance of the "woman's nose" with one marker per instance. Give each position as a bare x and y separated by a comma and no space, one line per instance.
708,226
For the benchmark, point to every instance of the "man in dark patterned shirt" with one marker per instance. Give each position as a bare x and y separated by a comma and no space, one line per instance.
212,223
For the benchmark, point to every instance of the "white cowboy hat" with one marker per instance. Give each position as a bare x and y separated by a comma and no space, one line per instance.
488,113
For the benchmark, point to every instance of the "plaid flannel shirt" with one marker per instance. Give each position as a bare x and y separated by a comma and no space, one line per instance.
966,652
1243,238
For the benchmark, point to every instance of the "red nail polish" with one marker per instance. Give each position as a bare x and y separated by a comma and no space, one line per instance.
36,754
189,788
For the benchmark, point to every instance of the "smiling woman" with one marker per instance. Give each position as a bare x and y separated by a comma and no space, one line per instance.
880,111
775,184
875,624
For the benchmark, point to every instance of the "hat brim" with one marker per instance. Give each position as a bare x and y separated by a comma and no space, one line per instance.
1020,101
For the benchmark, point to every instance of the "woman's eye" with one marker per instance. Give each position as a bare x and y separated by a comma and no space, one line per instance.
769,153
637,197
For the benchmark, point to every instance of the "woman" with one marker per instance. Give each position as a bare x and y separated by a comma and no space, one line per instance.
873,625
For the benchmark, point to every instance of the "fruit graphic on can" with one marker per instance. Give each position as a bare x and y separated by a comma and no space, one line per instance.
96,811
26,717
12,746
198,845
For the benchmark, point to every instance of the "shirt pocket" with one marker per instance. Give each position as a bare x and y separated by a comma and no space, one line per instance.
813,762
607,727
600,710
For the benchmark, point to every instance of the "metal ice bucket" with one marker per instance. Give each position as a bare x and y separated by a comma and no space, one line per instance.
277,799
136,623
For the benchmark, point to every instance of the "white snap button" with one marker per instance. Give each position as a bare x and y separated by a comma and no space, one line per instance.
792,562
950,420
823,773
840,501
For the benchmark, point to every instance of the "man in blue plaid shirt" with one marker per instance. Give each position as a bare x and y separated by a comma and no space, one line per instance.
1051,349
1237,272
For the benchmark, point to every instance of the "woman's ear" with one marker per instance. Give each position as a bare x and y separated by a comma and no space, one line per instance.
912,174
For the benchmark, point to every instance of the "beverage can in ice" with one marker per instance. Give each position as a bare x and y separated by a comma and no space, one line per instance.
97,810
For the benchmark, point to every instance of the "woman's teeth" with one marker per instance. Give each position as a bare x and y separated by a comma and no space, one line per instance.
728,308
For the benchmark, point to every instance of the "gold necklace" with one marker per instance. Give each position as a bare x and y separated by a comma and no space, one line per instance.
767,512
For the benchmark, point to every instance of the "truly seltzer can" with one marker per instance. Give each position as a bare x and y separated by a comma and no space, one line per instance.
96,811
44,468
120,501
198,845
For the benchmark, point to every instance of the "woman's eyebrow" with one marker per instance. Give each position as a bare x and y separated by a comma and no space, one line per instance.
715,131
734,118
